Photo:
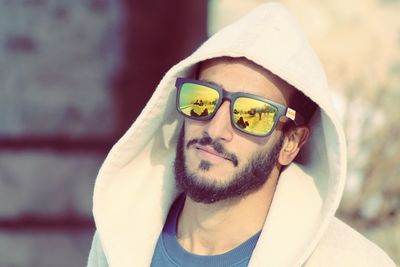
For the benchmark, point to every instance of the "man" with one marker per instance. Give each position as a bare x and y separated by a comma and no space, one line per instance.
251,177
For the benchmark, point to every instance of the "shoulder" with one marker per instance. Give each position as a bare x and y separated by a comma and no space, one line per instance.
342,246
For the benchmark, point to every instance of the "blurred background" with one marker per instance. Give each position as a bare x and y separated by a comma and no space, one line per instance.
75,74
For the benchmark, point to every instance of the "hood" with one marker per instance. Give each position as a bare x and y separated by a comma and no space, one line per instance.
135,185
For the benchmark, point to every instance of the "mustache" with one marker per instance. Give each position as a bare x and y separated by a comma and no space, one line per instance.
218,147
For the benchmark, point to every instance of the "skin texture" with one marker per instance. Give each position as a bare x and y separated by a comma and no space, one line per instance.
217,226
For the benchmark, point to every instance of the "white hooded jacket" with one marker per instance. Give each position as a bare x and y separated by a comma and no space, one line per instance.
135,186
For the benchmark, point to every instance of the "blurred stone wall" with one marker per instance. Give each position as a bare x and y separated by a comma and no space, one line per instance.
73,76
56,59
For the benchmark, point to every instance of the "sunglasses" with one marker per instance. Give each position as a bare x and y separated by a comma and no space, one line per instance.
251,114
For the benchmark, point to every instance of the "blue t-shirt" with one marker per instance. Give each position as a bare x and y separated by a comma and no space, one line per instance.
169,253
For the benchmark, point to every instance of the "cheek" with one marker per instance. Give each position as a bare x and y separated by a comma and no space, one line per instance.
247,148
245,153
193,129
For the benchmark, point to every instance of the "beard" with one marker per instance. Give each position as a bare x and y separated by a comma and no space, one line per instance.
245,181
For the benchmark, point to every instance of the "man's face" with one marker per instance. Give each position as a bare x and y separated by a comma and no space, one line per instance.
216,161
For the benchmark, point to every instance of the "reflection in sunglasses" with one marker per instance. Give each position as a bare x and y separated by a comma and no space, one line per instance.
253,115
249,114
204,113
193,105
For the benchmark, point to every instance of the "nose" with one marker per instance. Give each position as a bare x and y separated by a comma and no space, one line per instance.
219,127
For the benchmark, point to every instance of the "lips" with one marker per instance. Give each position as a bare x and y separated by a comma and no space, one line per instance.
206,148
209,152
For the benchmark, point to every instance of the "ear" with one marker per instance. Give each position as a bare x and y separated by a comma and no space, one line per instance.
295,138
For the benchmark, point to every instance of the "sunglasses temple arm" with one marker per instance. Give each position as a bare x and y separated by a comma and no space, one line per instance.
296,117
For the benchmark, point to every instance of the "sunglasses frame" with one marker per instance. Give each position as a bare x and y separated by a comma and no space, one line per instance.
283,111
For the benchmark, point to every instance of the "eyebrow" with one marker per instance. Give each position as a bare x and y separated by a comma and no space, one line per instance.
214,83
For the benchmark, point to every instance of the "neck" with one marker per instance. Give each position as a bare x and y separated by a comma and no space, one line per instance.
211,229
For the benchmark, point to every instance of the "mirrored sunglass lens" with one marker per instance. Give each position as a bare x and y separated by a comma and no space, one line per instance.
197,100
254,116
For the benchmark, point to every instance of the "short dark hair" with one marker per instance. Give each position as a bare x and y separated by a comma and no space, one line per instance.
302,104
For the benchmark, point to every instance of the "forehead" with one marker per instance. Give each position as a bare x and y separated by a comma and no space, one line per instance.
242,75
